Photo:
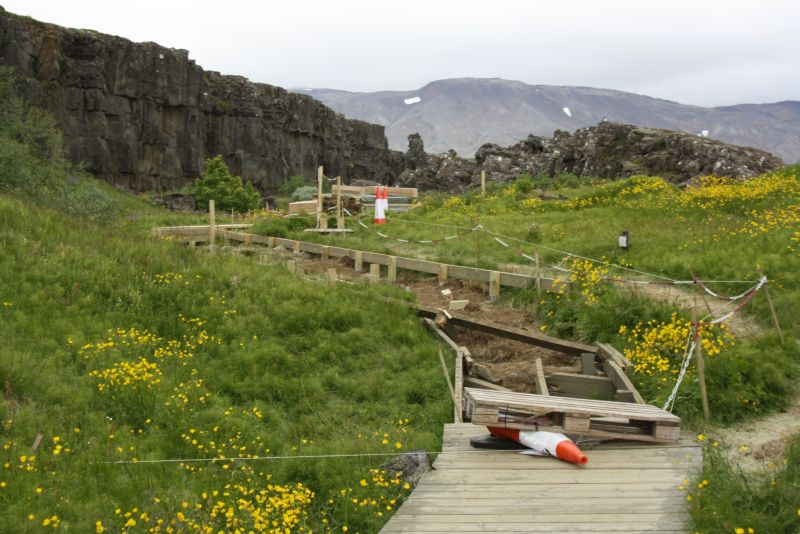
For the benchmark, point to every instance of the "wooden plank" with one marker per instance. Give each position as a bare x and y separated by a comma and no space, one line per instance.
577,475
540,383
441,333
517,334
420,526
621,380
459,385
422,266
374,257
475,382
546,404
468,273
581,386
584,507
607,350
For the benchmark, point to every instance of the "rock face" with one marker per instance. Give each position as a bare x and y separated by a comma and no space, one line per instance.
146,117
608,150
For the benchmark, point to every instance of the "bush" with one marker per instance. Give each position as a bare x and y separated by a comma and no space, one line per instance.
306,192
293,183
228,191
524,184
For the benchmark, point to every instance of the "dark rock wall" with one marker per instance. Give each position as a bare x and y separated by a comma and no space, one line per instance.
608,150
145,117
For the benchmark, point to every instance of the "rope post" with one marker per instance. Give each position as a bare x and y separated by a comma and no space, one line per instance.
494,285
701,368
212,225
339,212
322,218
538,276
772,311
483,183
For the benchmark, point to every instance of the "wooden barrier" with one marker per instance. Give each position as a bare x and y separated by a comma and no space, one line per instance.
496,279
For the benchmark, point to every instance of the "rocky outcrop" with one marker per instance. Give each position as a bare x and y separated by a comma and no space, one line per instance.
608,150
146,117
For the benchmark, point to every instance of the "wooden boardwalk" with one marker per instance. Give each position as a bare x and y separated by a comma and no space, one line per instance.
626,487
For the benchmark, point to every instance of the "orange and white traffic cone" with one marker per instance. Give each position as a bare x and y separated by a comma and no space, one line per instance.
543,443
380,207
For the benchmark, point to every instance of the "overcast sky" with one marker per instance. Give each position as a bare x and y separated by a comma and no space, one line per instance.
695,52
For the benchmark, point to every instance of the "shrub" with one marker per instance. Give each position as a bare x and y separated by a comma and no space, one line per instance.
228,191
306,192
293,183
524,184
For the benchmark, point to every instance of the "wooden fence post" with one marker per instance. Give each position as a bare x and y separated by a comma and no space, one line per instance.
772,311
701,368
359,261
392,274
212,224
494,285
374,273
442,273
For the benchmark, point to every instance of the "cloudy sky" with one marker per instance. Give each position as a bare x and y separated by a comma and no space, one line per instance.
700,52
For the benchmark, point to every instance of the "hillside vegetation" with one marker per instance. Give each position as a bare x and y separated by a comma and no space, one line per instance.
128,363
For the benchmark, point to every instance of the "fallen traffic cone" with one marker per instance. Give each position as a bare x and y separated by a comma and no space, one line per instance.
543,443
380,207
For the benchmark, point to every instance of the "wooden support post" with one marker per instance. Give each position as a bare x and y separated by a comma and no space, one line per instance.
333,275
248,240
494,285
291,266
538,276
701,369
325,252
459,386
374,273
322,218
587,364
446,372
297,250
540,384
339,207
442,273
271,242
772,311
212,224
483,183
359,266
392,274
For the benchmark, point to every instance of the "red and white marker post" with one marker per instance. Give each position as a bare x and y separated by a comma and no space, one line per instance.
380,206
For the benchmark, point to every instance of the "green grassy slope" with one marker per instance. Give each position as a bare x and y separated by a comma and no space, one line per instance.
120,347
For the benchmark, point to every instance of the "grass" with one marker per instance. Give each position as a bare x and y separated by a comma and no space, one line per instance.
246,359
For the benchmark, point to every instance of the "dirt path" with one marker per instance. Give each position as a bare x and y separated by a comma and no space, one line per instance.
756,445
760,445
742,325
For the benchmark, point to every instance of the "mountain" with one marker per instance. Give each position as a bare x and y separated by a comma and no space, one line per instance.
465,113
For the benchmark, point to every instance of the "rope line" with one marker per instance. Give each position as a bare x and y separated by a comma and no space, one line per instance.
413,241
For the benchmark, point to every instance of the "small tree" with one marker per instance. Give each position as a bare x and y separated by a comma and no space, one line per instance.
228,191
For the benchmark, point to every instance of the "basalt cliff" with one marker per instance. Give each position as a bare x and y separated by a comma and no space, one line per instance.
146,117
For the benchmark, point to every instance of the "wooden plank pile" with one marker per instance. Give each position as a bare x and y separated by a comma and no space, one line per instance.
596,418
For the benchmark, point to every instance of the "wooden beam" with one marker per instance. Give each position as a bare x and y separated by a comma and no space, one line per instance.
622,382
517,334
582,386
474,382
541,384
609,351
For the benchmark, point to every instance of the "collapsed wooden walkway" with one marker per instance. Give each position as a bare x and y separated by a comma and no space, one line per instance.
626,487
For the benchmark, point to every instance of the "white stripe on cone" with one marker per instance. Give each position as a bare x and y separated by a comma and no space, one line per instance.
543,443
